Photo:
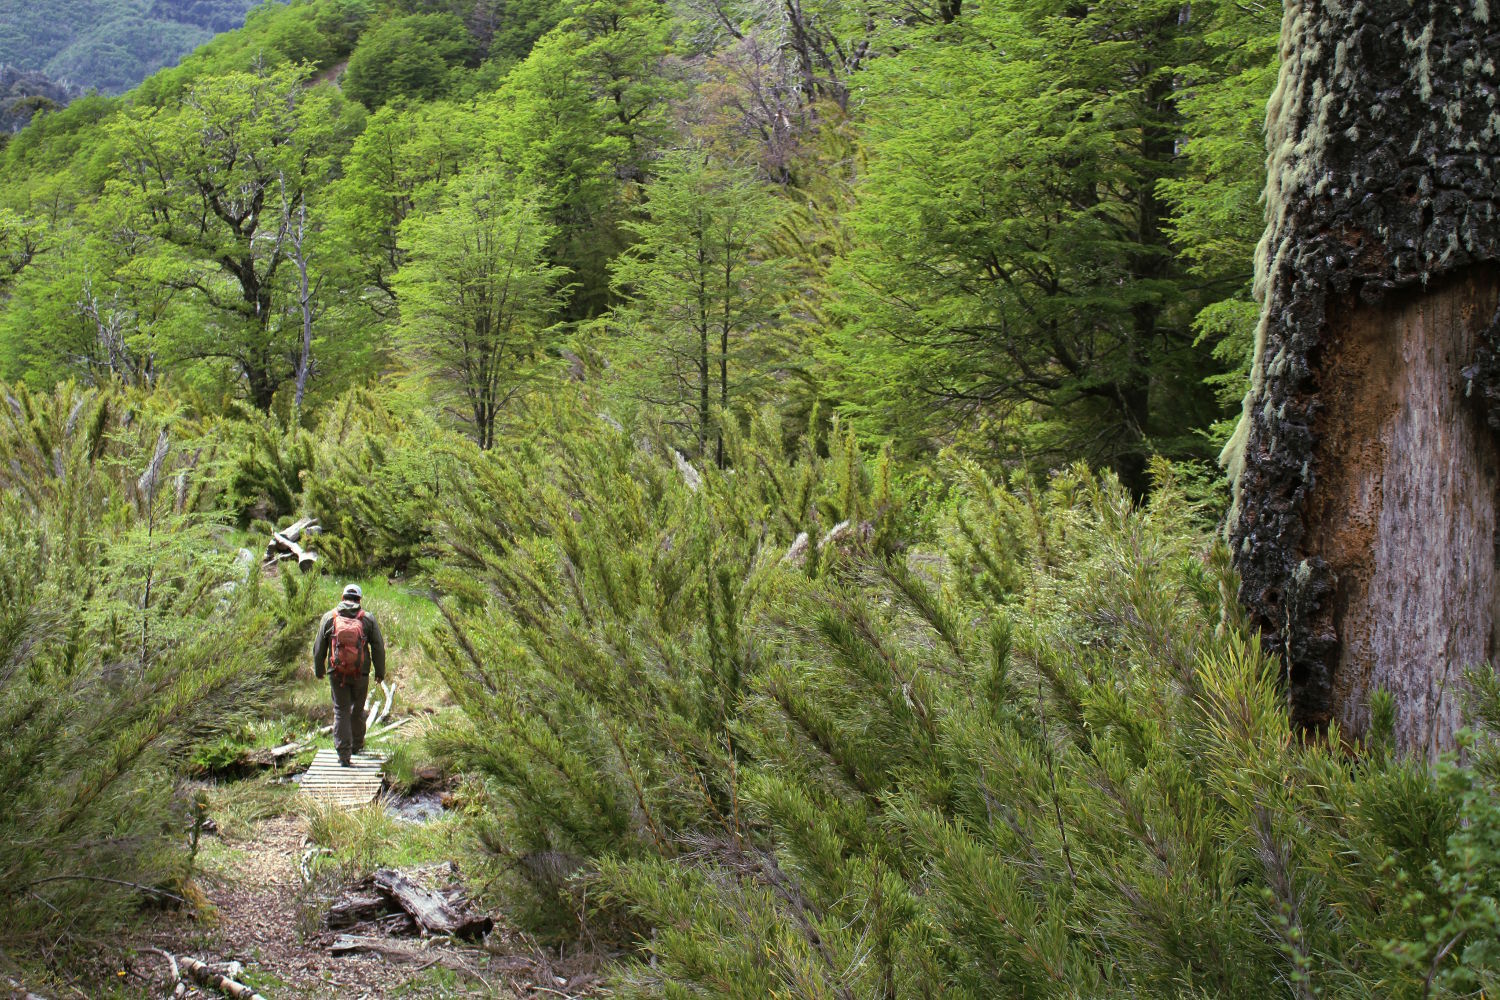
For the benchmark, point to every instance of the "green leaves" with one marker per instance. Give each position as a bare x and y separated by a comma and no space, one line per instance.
1021,290
412,57
209,187
478,296
701,290
127,634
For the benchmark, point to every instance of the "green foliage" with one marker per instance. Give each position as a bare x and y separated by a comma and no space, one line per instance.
787,714
1026,277
411,57
375,485
1058,284
126,636
600,634
371,478
584,112
399,164
109,45
210,187
479,296
1049,762
509,28
700,295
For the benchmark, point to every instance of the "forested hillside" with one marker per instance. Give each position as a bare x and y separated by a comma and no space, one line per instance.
109,45
796,425
1068,280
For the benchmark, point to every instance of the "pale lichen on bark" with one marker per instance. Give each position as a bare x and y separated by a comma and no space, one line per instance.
1384,151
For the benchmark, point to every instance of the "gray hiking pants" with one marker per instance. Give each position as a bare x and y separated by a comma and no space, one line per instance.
349,715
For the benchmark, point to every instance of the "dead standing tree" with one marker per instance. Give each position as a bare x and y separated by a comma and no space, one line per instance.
1366,465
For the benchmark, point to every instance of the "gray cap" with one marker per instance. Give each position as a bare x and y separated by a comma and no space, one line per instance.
353,593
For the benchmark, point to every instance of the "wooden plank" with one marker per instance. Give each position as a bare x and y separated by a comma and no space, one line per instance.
325,781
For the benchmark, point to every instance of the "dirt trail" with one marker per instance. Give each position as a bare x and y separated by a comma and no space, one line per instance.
256,895
258,912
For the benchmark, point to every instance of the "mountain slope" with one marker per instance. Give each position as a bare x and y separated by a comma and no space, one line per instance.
110,45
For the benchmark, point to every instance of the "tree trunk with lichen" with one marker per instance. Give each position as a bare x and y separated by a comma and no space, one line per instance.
1367,462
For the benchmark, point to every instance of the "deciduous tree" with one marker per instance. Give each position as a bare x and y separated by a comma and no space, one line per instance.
478,298
205,180
703,296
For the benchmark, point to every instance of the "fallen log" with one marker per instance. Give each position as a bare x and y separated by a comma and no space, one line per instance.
293,534
356,909
284,544
305,559
432,912
204,976
353,944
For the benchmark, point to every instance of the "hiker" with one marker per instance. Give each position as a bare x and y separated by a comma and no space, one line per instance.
348,644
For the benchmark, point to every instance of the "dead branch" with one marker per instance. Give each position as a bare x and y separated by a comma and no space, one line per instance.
177,987
205,976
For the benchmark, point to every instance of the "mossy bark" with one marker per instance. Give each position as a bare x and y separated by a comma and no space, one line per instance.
1367,463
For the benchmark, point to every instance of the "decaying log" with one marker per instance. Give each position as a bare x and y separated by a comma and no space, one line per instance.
284,544
357,908
354,944
305,559
432,912
205,976
1365,522
294,533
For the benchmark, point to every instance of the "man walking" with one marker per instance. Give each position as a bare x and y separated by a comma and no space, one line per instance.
347,645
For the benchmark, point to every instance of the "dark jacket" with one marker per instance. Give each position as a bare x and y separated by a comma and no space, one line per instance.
374,641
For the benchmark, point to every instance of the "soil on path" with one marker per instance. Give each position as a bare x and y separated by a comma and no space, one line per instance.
255,891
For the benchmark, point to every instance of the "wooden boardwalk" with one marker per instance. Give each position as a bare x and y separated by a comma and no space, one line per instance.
329,784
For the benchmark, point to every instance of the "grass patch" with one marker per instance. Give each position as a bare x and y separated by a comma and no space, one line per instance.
362,840
237,806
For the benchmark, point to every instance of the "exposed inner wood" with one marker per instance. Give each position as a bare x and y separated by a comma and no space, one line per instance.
1403,510
433,911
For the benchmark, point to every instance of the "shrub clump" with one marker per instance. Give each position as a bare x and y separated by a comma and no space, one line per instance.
734,718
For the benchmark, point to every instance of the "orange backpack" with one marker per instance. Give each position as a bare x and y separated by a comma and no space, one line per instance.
346,661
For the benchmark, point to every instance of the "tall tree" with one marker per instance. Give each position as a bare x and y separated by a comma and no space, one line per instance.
398,164
478,298
413,57
22,241
1366,463
1028,272
582,117
702,294
205,180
